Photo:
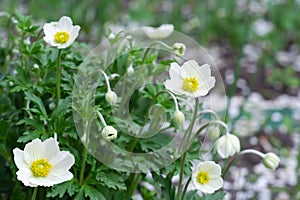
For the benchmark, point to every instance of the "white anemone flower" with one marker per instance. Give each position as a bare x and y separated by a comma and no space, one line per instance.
43,164
207,177
160,32
228,145
190,79
61,34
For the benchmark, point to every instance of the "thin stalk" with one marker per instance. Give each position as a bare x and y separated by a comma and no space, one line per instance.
185,188
184,154
153,44
58,74
34,193
86,131
134,184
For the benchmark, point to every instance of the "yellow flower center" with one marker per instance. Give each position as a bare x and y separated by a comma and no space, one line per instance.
61,37
40,167
190,84
203,177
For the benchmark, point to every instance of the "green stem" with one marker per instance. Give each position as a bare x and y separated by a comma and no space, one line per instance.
34,193
131,148
134,184
185,150
58,74
185,188
86,133
153,44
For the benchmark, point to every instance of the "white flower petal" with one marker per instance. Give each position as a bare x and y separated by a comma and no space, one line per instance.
160,32
23,175
65,24
49,29
62,161
19,158
52,148
34,150
175,71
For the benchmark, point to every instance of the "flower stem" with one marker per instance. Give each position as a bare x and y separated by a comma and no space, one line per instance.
58,74
153,44
185,188
86,131
34,193
189,131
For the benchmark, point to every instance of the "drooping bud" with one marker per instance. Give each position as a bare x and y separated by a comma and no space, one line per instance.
271,160
178,118
179,49
109,133
228,145
111,97
213,132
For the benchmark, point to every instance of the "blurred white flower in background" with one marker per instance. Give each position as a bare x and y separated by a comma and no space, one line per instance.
61,34
191,79
262,27
160,32
43,164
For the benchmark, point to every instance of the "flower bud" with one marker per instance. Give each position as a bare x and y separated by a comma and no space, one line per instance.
111,36
179,49
228,145
52,105
178,118
111,97
213,132
130,70
109,133
271,160
36,66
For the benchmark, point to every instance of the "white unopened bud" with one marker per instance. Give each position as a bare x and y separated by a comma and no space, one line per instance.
228,145
179,49
111,36
271,160
178,118
52,105
213,132
109,133
36,66
11,83
27,41
130,70
111,97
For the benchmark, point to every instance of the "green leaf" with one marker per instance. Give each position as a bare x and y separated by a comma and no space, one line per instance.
29,135
216,196
111,180
38,102
93,193
71,187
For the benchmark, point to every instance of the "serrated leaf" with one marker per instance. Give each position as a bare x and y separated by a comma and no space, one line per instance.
93,193
29,135
111,180
59,190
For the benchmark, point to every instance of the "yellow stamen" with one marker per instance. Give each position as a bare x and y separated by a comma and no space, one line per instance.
61,37
203,177
190,84
40,167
